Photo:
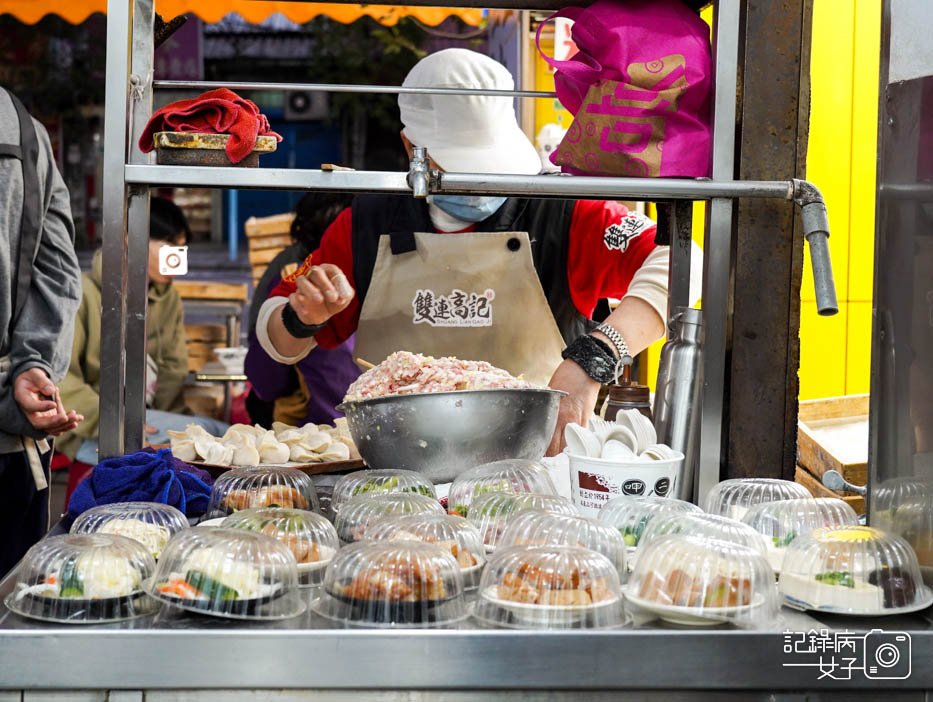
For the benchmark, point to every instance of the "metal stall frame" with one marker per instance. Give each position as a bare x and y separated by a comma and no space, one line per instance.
128,173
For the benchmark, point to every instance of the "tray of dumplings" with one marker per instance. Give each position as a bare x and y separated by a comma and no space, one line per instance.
312,448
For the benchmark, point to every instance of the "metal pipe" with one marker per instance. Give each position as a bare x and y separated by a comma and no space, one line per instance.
345,88
137,231
418,172
269,178
816,230
113,290
609,188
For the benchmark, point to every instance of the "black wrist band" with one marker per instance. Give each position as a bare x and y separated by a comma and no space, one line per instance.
295,326
594,356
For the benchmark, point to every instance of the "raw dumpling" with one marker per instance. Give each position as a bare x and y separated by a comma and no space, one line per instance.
315,440
298,453
195,431
245,455
275,453
336,452
183,449
219,455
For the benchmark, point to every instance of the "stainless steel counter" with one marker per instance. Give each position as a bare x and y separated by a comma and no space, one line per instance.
175,651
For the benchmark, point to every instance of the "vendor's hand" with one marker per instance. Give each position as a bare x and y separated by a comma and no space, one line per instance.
321,294
39,400
579,403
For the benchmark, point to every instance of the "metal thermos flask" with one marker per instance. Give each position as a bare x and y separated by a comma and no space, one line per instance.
677,397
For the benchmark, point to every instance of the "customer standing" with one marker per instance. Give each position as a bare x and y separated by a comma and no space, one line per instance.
40,288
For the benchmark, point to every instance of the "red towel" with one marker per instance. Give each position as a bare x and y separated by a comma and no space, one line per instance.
219,111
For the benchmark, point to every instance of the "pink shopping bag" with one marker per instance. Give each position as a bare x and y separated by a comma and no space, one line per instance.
640,89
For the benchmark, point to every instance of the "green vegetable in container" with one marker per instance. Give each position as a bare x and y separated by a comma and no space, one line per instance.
70,584
842,578
210,588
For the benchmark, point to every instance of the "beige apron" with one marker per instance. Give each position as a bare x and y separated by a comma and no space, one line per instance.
475,296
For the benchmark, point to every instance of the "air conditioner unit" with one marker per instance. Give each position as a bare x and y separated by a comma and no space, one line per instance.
306,106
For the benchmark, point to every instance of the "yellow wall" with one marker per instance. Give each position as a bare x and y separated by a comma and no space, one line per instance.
835,352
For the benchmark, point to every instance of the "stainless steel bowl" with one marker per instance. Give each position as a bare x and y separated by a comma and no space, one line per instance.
443,434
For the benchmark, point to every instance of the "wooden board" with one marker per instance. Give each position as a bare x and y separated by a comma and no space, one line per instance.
206,333
274,241
308,468
832,434
262,256
210,290
817,489
276,224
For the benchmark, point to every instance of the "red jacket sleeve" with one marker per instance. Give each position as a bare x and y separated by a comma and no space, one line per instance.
336,248
608,244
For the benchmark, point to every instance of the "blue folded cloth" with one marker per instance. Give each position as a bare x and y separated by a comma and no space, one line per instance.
147,476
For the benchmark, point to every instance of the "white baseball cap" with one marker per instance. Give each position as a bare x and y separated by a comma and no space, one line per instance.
466,133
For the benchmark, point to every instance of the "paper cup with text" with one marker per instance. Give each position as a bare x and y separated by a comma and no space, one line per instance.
595,481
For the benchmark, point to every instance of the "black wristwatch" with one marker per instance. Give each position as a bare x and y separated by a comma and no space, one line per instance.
297,328
594,356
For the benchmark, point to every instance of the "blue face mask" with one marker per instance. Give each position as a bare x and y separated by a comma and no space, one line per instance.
468,208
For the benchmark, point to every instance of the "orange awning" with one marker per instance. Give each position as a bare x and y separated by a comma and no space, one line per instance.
76,11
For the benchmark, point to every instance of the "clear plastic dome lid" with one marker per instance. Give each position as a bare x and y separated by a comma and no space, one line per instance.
254,488
631,515
696,581
455,534
379,482
550,587
83,578
706,526
536,528
514,475
852,570
150,523
309,536
783,521
900,504
733,498
355,516
228,573
393,584
491,512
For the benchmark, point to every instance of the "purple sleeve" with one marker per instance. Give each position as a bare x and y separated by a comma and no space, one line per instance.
269,378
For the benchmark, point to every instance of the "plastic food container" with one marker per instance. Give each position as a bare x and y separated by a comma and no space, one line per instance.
691,580
852,570
785,520
404,584
378,482
358,514
491,513
516,476
550,587
253,488
228,573
547,529
83,579
455,534
631,515
309,536
150,523
904,506
733,498
705,526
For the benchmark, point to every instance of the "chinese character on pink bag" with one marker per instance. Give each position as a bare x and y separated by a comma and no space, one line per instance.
640,90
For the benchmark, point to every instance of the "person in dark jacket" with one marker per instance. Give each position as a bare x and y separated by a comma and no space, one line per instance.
40,288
